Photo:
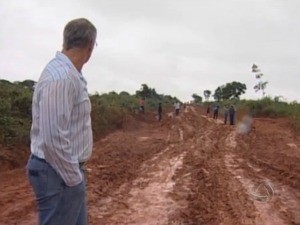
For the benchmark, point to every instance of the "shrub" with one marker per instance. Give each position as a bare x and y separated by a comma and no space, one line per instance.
296,123
268,107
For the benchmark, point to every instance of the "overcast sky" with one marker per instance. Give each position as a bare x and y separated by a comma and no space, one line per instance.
178,47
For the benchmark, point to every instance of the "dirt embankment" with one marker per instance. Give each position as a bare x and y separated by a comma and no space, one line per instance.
185,170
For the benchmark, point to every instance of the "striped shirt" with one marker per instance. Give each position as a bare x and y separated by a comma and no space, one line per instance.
61,131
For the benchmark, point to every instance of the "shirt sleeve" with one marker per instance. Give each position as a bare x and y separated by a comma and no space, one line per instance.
56,104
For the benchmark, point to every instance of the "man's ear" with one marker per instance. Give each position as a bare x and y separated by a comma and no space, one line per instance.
91,46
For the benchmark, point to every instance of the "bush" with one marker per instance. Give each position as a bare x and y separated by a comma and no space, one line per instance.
15,113
268,107
296,123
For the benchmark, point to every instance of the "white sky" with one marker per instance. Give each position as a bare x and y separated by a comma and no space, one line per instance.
178,47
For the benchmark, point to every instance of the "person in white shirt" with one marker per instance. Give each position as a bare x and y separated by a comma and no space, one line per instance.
177,108
61,132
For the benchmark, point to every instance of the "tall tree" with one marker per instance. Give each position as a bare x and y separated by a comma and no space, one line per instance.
197,98
207,94
261,85
29,84
146,92
218,95
231,90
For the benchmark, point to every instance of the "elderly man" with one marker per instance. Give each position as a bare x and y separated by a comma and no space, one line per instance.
61,133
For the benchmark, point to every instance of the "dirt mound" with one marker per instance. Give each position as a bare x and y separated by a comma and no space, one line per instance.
14,157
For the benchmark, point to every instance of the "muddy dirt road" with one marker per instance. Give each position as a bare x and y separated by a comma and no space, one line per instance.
187,170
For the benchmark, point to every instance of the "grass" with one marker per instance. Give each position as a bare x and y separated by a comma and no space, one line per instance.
268,108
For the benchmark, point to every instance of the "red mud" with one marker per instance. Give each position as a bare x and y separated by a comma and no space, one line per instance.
185,170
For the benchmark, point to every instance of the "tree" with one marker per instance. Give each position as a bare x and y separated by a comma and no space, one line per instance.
146,92
218,95
28,84
197,98
261,85
207,94
278,98
231,90
125,93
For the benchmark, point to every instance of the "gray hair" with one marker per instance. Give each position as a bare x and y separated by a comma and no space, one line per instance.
79,33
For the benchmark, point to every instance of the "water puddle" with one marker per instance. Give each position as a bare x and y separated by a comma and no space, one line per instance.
180,134
231,140
152,205
260,192
148,202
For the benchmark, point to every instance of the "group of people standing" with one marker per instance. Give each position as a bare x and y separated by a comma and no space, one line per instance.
177,107
229,112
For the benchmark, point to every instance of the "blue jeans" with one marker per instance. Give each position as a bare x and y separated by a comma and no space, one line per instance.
57,203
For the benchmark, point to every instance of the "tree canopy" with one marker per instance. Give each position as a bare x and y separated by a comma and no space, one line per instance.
231,90
197,98
146,92
261,85
207,94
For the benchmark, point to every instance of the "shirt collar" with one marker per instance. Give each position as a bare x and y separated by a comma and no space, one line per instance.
61,56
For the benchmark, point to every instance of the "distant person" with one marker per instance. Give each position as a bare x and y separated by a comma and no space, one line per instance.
216,112
232,114
177,108
159,110
61,131
142,105
226,114
208,111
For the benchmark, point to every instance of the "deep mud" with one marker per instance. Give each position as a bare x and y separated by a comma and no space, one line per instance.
185,170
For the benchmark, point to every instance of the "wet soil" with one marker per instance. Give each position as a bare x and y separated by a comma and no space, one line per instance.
188,169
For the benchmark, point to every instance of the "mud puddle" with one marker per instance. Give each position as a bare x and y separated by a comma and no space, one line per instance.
145,201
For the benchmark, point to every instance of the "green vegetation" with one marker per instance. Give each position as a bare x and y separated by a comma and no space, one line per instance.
15,111
206,94
261,85
273,108
270,108
228,91
197,98
108,110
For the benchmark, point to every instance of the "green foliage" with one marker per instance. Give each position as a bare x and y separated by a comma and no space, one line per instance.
261,85
206,94
146,92
108,110
268,107
228,91
15,111
197,98
278,98
107,113
296,123
152,98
